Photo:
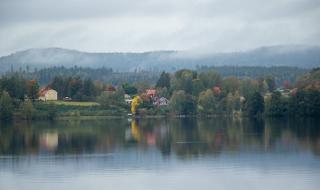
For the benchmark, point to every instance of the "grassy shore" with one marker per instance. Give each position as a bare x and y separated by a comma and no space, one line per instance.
89,117
69,103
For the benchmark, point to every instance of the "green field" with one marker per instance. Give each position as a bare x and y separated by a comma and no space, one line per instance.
85,104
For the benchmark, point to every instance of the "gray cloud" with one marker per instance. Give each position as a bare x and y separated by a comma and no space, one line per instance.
127,25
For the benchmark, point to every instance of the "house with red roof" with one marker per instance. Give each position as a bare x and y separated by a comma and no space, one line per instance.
151,92
48,94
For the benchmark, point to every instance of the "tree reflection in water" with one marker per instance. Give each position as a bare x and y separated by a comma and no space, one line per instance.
182,137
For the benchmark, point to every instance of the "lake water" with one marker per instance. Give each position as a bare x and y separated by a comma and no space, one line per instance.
184,154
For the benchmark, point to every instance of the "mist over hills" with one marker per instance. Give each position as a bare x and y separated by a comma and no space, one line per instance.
295,56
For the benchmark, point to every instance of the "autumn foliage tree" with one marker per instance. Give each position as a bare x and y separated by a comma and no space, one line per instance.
135,103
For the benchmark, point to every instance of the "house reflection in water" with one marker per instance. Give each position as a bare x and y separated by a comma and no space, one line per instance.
49,141
145,135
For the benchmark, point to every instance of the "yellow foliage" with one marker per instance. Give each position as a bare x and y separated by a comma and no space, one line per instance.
135,103
136,132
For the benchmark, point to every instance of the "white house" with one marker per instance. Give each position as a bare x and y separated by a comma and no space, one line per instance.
161,101
127,98
47,94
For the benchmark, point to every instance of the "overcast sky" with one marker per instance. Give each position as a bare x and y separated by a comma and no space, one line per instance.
147,25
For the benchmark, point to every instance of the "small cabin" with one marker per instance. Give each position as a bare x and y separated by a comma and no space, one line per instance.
48,94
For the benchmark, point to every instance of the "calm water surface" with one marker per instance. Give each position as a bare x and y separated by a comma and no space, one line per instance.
216,153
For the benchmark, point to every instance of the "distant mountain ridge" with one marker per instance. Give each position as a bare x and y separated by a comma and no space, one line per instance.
295,56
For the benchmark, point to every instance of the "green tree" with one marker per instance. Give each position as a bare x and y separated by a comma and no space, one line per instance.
262,86
59,84
74,88
6,106
129,89
207,102
233,102
270,83
255,105
27,110
163,92
230,84
197,87
277,106
15,85
183,80
182,103
164,80
141,86
248,87
109,99
305,103
33,89
210,79
88,90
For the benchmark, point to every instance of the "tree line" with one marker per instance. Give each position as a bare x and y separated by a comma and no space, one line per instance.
46,75
208,93
190,92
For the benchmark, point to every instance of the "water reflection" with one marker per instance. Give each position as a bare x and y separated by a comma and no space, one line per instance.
217,153
186,137
48,141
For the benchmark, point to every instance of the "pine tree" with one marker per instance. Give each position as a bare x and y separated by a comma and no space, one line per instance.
255,105
164,80
6,106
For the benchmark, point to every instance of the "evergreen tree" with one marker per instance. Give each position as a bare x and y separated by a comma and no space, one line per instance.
277,106
33,89
15,85
59,85
129,89
255,105
164,80
88,90
6,106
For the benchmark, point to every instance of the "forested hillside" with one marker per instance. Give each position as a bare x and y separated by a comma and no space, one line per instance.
44,76
294,56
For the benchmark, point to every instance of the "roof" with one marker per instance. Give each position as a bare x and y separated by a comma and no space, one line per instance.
151,92
43,91
217,90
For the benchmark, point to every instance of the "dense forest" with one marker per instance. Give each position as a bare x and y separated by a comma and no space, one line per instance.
189,92
45,76
281,74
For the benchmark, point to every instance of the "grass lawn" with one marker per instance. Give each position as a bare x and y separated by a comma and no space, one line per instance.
59,102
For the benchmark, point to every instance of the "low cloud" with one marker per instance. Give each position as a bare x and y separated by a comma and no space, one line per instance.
147,25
